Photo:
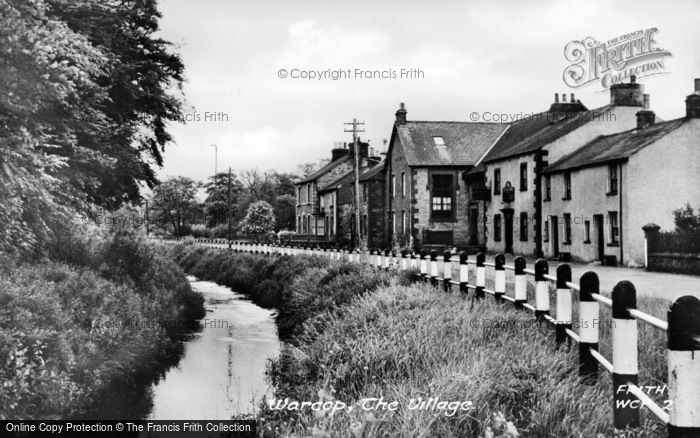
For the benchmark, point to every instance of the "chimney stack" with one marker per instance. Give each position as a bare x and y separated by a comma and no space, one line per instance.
629,94
692,102
645,118
339,152
401,114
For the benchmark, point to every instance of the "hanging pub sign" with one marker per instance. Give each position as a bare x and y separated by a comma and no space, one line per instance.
508,192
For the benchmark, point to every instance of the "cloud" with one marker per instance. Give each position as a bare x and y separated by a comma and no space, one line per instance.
311,44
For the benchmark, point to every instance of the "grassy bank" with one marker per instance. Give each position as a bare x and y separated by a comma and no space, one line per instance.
299,288
89,329
403,342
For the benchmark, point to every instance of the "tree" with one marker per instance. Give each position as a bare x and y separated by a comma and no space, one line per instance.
285,212
260,219
284,184
87,93
306,169
216,204
48,97
259,186
175,203
685,219
137,76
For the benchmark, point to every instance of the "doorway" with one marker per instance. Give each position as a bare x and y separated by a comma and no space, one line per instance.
554,223
600,235
508,229
473,215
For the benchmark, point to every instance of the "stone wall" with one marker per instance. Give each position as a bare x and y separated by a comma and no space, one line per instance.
674,262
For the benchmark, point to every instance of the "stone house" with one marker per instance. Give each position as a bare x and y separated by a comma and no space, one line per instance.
372,206
325,199
603,193
513,169
425,199
310,221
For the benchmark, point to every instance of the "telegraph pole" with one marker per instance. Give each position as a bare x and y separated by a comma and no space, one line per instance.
356,150
216,159
229,208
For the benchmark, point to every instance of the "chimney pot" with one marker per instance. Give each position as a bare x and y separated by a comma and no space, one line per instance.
563,97
572,98
646,101
697,84
556,97
633,79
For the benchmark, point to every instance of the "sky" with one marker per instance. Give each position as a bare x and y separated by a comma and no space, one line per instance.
471,56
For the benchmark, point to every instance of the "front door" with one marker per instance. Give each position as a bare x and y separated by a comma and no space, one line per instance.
473,225
600,235
554,223
508,229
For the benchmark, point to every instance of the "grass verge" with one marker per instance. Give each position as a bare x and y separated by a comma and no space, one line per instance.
354,334
84,337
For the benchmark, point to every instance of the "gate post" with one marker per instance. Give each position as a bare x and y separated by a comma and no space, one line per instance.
684,367
624,355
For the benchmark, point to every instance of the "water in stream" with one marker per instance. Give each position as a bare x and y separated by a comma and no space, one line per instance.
221,374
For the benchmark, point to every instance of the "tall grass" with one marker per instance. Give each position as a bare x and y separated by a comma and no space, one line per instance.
354,333
402,343
298,287
90,328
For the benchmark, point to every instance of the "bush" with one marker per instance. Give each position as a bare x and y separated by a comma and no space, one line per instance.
69,329
201,232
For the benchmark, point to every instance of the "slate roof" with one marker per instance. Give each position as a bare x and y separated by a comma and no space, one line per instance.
338,181
619,146
532,133
465,142
373,172
327,168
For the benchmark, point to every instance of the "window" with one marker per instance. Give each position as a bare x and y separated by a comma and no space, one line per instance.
393,186
523,227
614,228
567,185
567,229
403,221
393,222
545,236
441,147
548,188
441,198
298,195
523,177
586,231
321,200
497,227
496,181
364,192
403,184
363,225
612,179
308,193
299,224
